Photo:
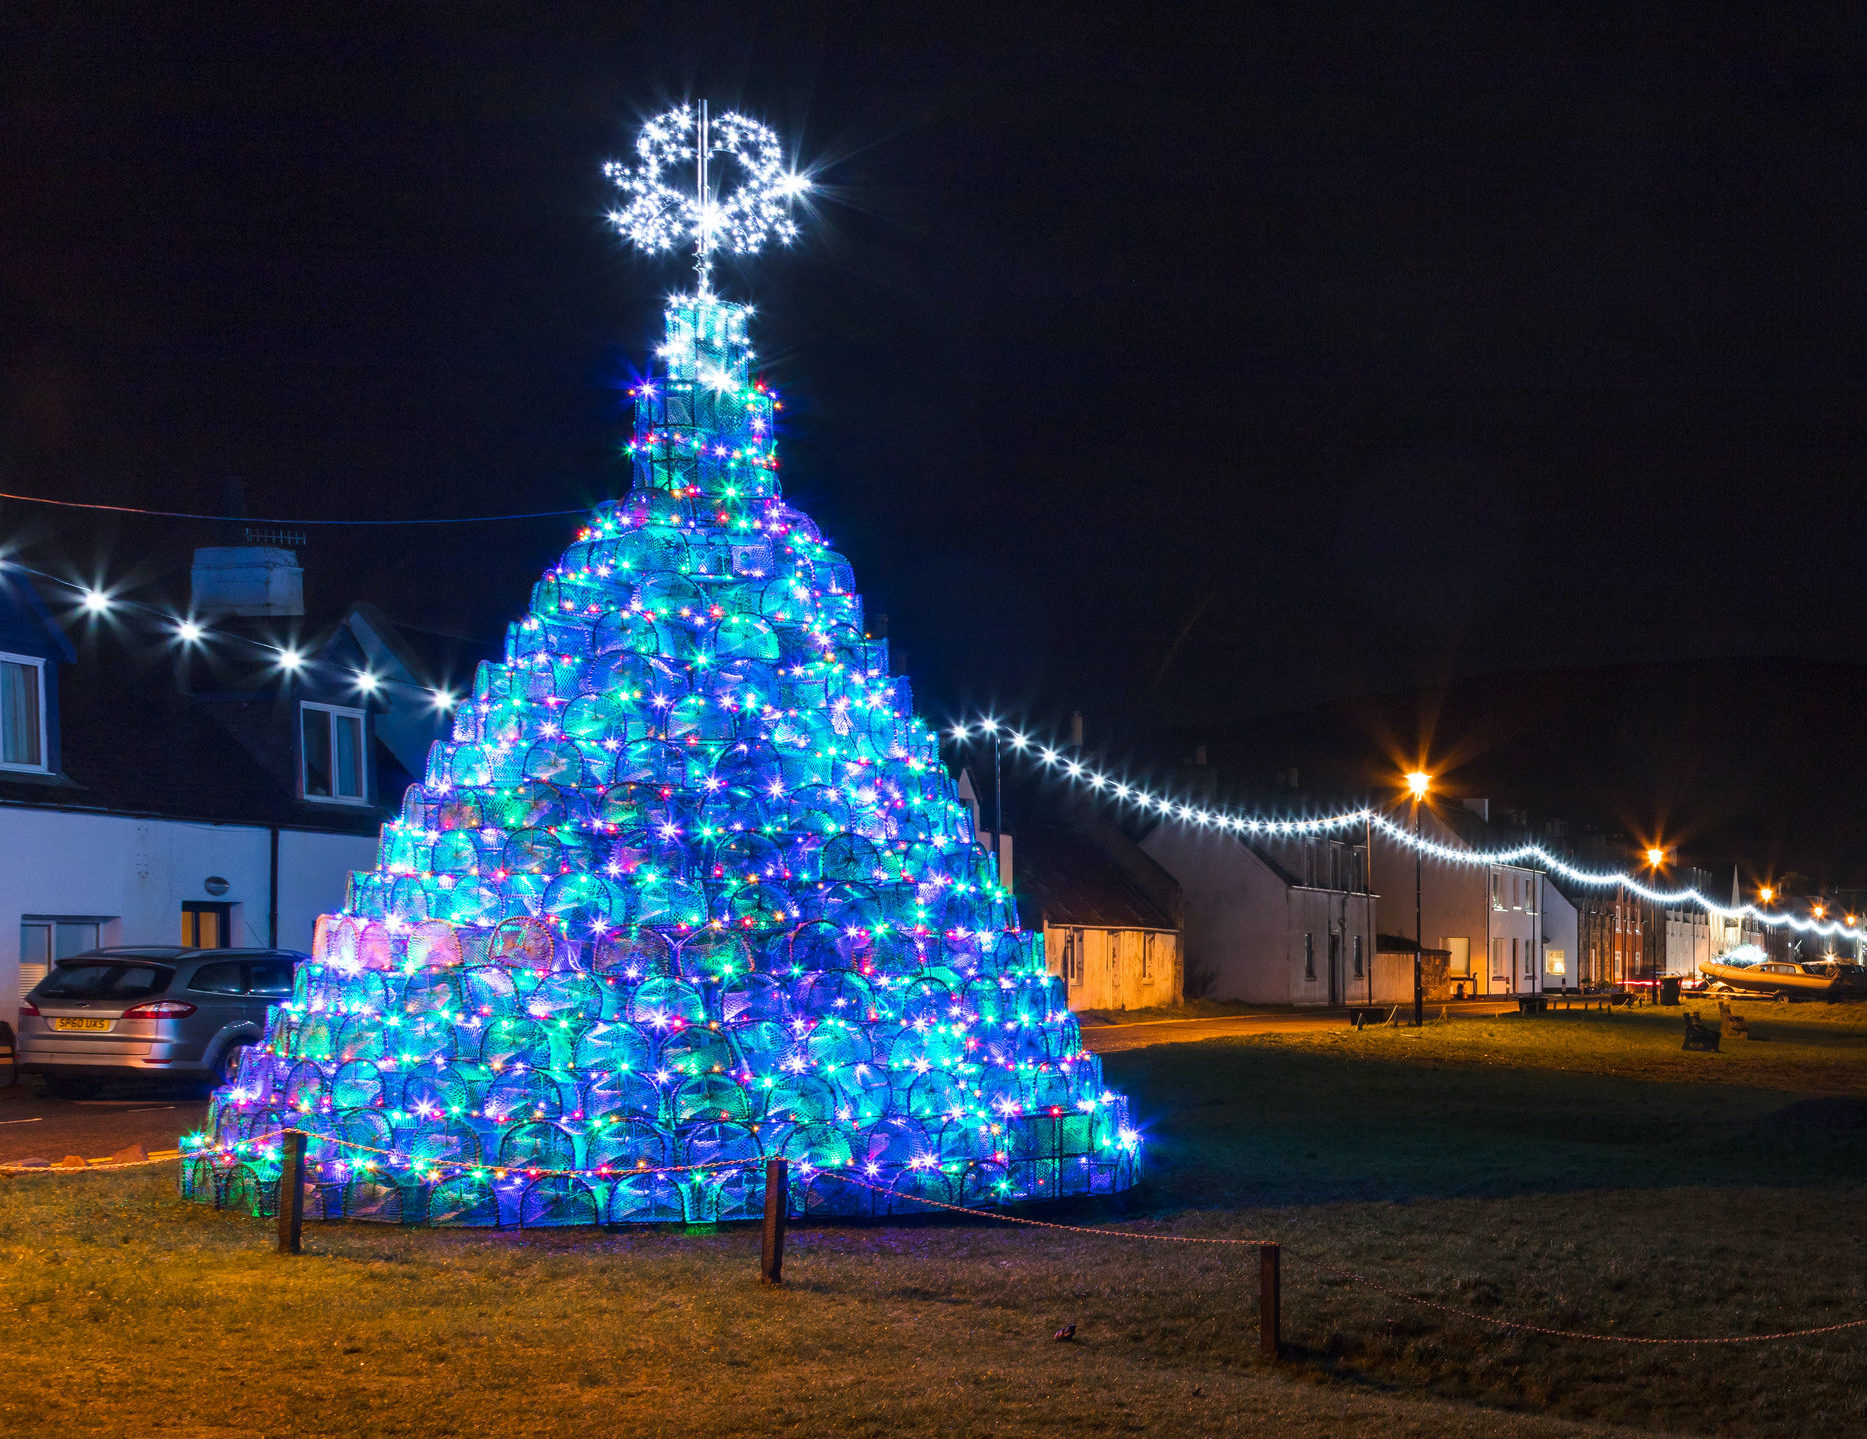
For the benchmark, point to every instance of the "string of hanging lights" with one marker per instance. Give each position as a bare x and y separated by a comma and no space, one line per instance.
96,602
1062,761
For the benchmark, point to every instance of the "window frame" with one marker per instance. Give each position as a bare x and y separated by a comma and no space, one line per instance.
1072,955
336,712
223,922
37,664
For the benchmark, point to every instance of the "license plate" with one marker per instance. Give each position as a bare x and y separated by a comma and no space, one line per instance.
89,1026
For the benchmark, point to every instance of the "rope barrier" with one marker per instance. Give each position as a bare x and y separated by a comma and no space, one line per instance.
498,1171
89,1166
1350,1275
999,1216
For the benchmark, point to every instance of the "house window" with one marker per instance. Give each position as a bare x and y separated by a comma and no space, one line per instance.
1309,956
206,925
1073,956
1529,960
1147,958
332,753
22,712
1358,956
1555,961
1529,895
1498,971
44,939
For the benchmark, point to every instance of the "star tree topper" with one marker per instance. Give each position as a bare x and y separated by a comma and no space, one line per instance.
663,210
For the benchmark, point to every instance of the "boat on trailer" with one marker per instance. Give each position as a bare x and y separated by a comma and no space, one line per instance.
1747,970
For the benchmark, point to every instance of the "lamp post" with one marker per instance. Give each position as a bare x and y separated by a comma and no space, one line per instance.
1418,783
1660,941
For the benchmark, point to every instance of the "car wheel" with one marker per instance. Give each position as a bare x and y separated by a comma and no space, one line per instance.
67,1086
230,1061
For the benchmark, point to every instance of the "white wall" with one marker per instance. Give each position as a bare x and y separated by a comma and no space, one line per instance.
1561,931
1244,925
135,873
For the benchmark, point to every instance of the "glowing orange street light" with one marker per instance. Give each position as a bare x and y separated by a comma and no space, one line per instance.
1418,783
1766,894
1656,857
1820,909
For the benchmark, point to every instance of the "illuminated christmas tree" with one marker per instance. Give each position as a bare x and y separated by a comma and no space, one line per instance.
689,886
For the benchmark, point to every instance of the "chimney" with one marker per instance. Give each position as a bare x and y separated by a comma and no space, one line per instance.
1076,729
247,580
1199,756
249,572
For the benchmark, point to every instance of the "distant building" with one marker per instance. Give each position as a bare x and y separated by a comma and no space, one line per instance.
1561,937
1110,916
153,792
1281,920
1485,916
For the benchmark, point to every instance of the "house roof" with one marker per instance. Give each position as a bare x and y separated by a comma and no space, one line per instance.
132,742
133,739
1064,876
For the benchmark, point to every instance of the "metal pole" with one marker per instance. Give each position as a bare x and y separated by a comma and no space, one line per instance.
291,1191
1419,929
1367,894
702,238
777,1205
1270,1301
998,808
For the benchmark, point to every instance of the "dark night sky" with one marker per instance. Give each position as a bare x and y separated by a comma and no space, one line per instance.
1395,342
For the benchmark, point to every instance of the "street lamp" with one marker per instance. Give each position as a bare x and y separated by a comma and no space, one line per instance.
1766,894
1657,959
1418,783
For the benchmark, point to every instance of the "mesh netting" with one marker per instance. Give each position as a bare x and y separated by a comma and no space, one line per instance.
688,887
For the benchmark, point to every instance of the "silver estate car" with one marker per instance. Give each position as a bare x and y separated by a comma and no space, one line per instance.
148,1010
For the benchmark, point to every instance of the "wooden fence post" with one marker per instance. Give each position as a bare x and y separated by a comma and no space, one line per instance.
1270,1301
777,1203
291,1191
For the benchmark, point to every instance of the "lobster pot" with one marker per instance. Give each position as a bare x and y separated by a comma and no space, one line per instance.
686,886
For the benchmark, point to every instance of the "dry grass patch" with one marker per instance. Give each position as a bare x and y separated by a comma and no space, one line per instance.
1556,1172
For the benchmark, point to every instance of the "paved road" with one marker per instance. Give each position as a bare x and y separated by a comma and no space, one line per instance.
35,1127
1109,1038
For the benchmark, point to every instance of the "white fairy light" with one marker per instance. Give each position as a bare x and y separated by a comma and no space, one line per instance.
1521,856
660,214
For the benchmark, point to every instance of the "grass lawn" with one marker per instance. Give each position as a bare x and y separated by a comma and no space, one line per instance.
1573,1171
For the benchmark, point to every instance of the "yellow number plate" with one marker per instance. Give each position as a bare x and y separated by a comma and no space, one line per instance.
90,1025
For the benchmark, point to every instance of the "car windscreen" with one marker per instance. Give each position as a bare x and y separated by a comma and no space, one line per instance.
105,981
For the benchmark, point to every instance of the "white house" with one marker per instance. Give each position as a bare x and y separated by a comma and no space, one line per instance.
1485,916
206,795
1110,915
1284,921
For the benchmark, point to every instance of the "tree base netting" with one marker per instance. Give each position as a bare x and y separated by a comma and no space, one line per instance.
688,887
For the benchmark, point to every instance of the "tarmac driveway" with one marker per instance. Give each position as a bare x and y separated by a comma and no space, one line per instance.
35,1126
